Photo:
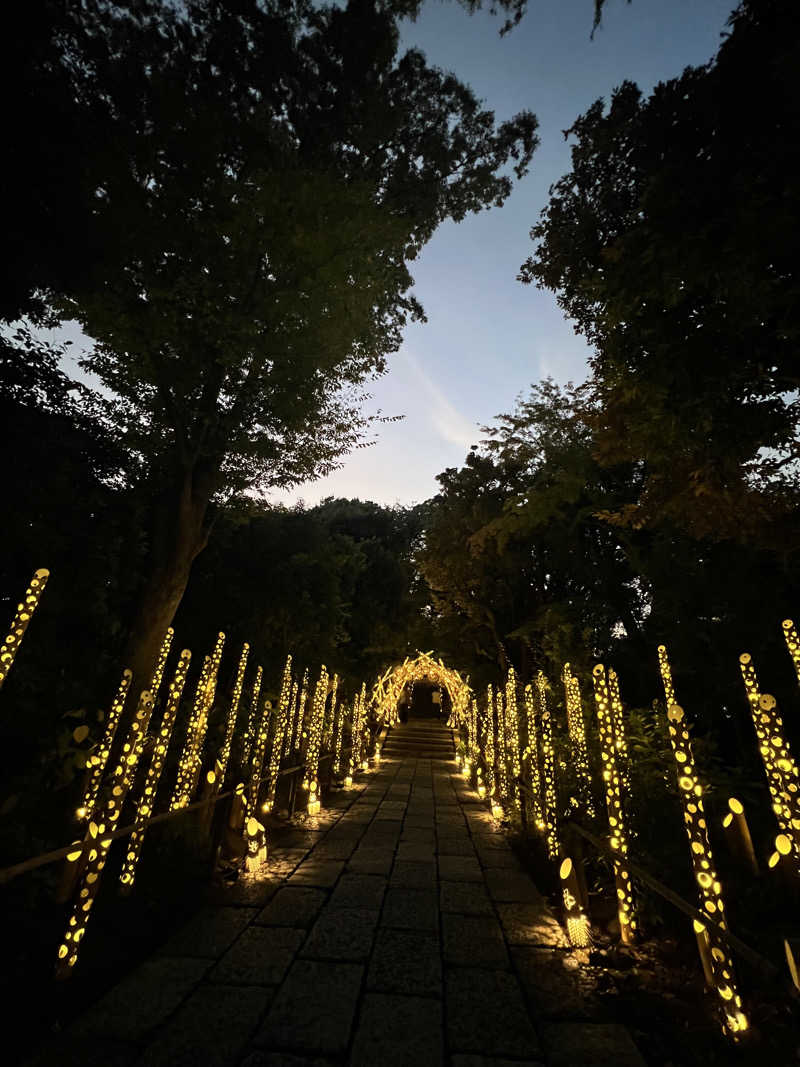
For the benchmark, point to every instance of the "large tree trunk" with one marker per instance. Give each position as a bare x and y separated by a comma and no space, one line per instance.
180,533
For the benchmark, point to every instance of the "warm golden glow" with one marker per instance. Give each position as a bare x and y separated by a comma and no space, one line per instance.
315,740
709,887
548,769
19,624
793,644
779,764
97,761
491,746
512,734
577,736
389,688
618,837
285,703
233,711
532,755
147,800
190,761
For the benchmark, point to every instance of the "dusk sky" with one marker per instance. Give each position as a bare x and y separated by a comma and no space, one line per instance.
488,337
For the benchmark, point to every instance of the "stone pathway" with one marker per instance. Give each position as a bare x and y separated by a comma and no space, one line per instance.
397,929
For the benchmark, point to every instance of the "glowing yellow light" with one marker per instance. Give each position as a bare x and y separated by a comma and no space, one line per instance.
19,624
700,851
548,769
284,711
577,735
100,758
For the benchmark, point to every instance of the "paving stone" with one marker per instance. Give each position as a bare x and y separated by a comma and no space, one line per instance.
142,1000
371,861
460,869
261,956
339,849
498,859
597,1044
486,1013
398,1031
423,835
314,1009
413,875
283,1059
323,873
342,934
213,1027
473,941
512,887
209,933
85,1051
491,1061
455,845
418,820
416,852
551,981
282,861
406,961
293,906
252,891
359,891
411,909
448,817
530,924
465,898
483,839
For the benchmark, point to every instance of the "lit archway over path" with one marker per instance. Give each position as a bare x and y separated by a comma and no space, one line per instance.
422,668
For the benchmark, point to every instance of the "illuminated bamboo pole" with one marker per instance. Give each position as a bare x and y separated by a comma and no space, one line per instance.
19,624
233,711
362,754
502,748
709,887
338,731
163,653
532,754
148,798
576,727
618,838
618,726
512,734
202,729
182,788
98,841
285,704
491,754
297,725
260,750
793,644
315,741
548,770
330,718
738,836
98,760
780,767
252,719
357,736
577,922
295,696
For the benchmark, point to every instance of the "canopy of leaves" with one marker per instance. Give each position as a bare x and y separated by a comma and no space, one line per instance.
672,244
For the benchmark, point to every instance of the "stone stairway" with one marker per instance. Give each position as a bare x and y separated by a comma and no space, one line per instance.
419,739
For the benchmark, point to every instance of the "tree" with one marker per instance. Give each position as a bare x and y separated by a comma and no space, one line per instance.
274,168
672,246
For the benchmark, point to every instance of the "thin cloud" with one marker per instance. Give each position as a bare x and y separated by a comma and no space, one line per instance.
445,418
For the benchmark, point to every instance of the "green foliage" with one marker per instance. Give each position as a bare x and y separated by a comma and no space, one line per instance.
672,246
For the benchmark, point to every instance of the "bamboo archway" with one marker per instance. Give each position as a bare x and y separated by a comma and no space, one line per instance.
423,668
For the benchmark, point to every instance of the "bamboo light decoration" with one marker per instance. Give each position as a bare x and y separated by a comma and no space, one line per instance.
737,833
548,770
618,726
577,735
338,730
285,704
163,653
781,770
793,644
315,741
260,752
532,754
146,804
98,760
19,624
230,728
502,748
183,781
330,717
202,724
362,755
618,838
252,718
357,735
491,750
576,920
287,738
98,839
710,889
512,734
300,714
